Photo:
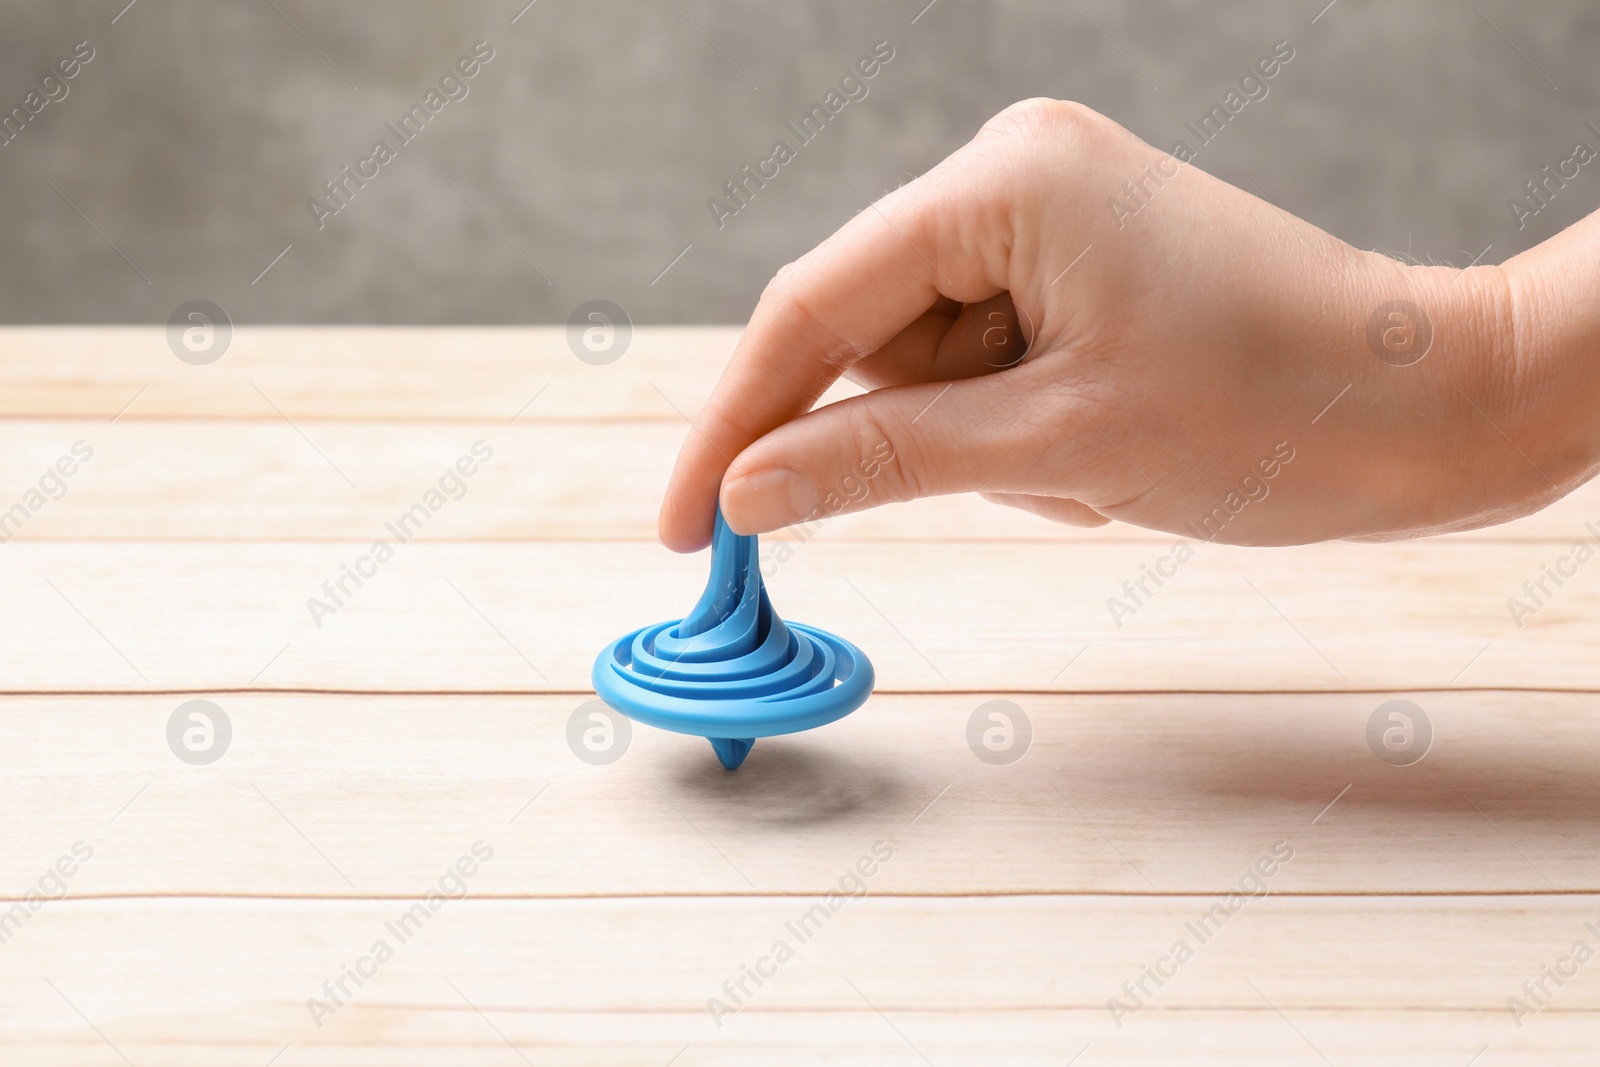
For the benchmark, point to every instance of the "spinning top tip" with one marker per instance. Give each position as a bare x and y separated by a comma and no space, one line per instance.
731,751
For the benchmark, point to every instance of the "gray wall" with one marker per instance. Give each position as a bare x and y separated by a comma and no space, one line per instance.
593,139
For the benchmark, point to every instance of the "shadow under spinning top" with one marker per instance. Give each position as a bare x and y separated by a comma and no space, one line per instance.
731,670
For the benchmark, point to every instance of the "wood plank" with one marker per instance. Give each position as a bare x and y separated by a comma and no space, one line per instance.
262,480
530,617
1286,980
364,372
412,1038
367,796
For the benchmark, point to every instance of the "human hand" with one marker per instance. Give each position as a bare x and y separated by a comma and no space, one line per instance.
1197,361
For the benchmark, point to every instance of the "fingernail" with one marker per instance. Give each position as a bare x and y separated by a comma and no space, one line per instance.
766,500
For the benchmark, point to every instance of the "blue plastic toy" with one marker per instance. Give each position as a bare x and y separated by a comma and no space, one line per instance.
731,670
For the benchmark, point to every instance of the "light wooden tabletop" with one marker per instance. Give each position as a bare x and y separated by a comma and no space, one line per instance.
1198,831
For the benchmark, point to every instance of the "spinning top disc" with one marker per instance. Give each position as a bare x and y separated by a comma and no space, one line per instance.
731,670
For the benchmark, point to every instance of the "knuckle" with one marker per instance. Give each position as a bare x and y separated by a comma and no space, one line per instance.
1029,146
1100,453
783,297
879,465
724,430
782,282
1039,118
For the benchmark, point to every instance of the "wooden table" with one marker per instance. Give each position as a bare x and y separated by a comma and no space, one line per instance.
1222,726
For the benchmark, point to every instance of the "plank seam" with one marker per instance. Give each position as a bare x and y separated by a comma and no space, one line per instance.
1199,896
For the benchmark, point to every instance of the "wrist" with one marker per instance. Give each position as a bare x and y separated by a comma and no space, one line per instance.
1520,418
1554,339
1458,425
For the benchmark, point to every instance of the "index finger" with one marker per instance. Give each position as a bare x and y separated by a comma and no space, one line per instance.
835,305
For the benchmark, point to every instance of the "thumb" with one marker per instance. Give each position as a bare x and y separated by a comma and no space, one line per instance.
892,444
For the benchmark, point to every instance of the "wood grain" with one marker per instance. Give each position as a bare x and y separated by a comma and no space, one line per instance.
527,617
1172,748
365,797
1286,980
415,374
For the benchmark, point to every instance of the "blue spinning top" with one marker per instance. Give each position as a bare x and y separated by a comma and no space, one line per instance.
731,670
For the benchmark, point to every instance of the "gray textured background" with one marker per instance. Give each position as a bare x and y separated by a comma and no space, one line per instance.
593,139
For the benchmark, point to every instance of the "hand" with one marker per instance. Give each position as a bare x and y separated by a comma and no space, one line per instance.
1197,361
